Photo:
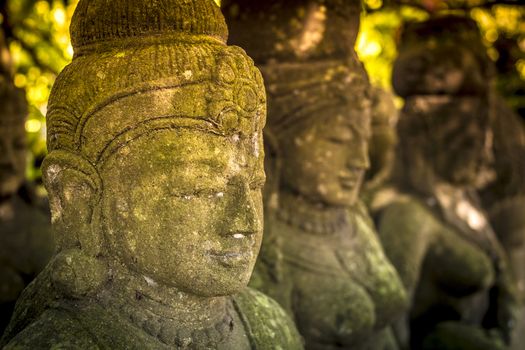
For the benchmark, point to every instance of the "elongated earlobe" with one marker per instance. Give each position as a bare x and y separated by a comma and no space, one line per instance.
74,188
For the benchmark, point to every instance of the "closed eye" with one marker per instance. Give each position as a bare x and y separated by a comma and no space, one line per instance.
199,193
339,140
257,184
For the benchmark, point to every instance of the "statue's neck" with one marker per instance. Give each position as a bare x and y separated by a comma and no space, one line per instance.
141,293
312,217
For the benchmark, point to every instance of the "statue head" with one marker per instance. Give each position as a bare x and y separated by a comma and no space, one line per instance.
443,55
13,147
155,140
444,74
320,119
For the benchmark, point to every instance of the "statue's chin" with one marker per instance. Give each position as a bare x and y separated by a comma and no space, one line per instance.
212,283
342,199
218,289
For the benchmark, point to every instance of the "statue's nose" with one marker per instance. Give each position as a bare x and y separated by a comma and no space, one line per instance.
359,158
245,219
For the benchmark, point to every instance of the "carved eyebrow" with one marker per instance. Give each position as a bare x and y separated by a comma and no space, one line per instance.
358,129
207,162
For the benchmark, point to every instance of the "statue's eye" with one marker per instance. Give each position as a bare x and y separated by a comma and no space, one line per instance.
341,138
257,184
341,135
199,193
338,140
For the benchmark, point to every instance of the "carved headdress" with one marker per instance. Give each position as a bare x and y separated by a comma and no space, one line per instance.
307,57
132,49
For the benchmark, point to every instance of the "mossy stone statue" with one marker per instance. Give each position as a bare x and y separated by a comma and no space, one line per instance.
435,230
154,174
381,150
504,199
26,243
321,258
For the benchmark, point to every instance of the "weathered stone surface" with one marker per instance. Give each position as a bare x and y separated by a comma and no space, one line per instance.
383,138
25,232
504,199
444,56
294,30
154,174
320,258
435,230
381,149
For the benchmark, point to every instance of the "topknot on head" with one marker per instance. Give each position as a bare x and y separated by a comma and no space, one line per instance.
110,22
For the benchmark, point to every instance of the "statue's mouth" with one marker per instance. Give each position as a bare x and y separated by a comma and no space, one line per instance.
348,183
231,258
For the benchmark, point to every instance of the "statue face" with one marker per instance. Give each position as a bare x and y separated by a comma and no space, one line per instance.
184,208
12,157
326,161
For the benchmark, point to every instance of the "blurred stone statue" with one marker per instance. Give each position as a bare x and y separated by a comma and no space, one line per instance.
435,230
321,258
25,231
382,145
154,174
504,198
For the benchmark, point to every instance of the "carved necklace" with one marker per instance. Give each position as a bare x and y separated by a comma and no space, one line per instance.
172,332
160,321
311,218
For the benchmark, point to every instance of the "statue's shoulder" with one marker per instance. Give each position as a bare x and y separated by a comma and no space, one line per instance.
408,210
76,324
268,324
53,329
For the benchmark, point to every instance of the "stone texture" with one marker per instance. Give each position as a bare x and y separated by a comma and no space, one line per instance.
154,175
504,199
434,229
381,149
320,258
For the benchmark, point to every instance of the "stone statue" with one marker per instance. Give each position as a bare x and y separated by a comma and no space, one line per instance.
154,174
504,198
381,150
321,258
435,230
25,232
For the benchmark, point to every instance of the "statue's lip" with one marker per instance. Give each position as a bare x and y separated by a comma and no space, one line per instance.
230,258
348,181
241,234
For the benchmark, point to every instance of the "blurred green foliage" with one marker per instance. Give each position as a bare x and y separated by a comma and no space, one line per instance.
378,36
38,36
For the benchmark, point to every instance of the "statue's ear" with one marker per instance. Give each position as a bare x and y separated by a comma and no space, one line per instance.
73,186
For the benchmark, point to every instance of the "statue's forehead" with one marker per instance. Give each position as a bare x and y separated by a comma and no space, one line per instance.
181,150
104,128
